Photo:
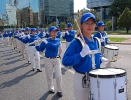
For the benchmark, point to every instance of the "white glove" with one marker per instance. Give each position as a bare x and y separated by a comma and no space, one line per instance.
63,34
28,36
104,60
67,32
36,42
44,40
85,51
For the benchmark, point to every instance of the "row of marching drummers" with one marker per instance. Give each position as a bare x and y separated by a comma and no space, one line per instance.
85,55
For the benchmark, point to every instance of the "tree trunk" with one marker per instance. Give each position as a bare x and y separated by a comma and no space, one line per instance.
127,29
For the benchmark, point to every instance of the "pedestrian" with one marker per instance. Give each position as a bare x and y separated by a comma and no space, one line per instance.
69,34
80,55
34,54
52,47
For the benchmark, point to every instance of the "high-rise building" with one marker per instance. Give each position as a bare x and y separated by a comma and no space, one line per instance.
27,16
11,14
101,7
35,19
18,14
50,10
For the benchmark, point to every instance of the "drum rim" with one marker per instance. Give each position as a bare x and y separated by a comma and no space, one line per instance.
111,48
108,76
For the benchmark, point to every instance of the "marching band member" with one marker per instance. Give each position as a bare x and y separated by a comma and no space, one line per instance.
27,34
1,38
58,33
10,33
52,47
42,34
34,54
69,35
6,38
102,35
80,56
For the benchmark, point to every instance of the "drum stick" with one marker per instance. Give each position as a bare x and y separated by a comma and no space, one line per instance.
80,32
111,60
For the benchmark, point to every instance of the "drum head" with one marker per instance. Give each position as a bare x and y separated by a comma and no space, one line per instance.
107,73
112,47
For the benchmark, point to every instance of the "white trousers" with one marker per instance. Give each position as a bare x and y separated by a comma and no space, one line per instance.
22,47
27,52
1,40
34,57
49,65
11,40
14,42
80,93
6,40
67,44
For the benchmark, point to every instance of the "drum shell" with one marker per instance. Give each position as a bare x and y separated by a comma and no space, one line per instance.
110,53
107,90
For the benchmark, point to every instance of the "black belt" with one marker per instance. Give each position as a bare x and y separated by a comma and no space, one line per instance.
53,57
80,72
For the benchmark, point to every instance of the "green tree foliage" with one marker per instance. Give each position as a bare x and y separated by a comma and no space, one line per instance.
75,25
109,24
124,20
92,11
62,25
118,6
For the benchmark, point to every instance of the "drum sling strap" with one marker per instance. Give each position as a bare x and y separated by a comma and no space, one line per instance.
93,52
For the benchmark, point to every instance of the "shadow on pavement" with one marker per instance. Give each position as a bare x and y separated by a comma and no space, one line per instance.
13,69
45,96
16,80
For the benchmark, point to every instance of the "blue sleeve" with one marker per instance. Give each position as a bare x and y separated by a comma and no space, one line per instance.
41,48
26,40
64,37
71,57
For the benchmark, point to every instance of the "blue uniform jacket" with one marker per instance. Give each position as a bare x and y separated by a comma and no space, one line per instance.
30,40
58,34
104,35
73,58
69,37
5,35
10,34
52,47
41,35
47,35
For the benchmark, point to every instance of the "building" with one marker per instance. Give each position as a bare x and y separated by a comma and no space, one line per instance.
35,19
26,16
11,14
50,10
101,7
18,14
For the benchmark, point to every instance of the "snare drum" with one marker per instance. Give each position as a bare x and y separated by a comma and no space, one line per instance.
108,84
110,51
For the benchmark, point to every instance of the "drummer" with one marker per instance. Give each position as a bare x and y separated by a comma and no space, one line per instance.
77,55
102,35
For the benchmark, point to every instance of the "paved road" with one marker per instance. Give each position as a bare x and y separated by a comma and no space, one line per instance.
17,82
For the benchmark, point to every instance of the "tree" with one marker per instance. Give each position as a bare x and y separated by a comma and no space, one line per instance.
124,20
117,7
62,25
75,25
109,24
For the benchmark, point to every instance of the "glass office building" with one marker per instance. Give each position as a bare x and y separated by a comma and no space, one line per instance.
101,7
50,10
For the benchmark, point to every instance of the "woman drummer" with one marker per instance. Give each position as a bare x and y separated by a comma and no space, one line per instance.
78,56
102,35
